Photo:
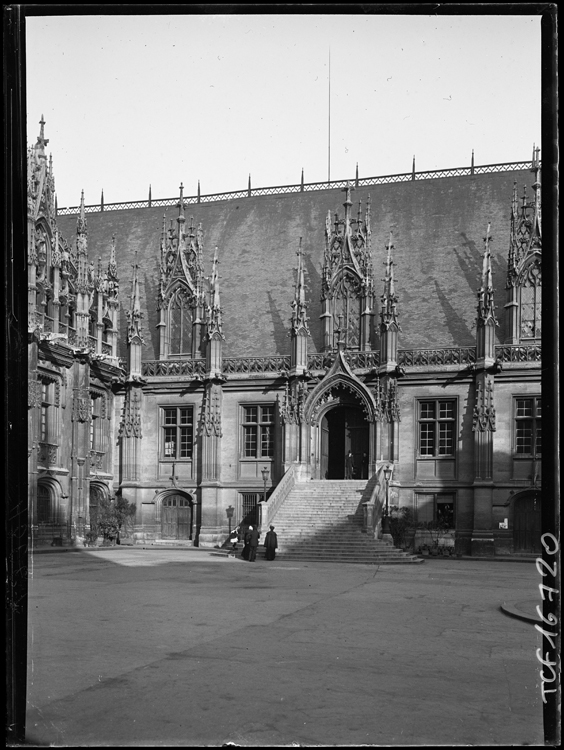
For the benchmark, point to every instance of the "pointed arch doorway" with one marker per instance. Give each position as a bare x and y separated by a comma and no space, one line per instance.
344,428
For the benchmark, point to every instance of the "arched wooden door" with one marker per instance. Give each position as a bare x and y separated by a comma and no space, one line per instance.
176,517
527,523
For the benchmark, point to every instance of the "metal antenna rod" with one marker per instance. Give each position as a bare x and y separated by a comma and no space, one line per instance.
329,137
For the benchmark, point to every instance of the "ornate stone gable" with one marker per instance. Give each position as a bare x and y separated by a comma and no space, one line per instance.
339,377
347,285
181,260
526,228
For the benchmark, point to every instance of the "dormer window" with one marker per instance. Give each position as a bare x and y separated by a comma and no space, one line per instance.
530,308
181,318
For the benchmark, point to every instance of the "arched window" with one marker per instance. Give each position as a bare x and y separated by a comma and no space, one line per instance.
180,323
530,327
347,311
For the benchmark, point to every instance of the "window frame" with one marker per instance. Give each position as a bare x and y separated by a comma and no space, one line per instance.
178,426
436,502
263,428
96,437
437,421
536,426
180,303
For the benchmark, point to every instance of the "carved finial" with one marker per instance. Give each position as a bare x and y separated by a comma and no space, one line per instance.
249,188
81,222
198,191
134,313
413,168
356,176
388,313
299,307
486,307
302,181
215,322
41,140
102,200
150,196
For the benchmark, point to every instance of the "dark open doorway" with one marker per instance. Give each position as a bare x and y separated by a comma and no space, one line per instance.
344,428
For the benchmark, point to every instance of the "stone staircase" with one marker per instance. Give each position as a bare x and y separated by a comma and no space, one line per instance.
322,521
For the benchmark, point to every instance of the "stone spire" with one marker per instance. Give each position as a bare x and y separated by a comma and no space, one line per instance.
84,278
134,313
299,321
134,337
215,322
214,337
486,307
389,326
486,320
299,306
388,310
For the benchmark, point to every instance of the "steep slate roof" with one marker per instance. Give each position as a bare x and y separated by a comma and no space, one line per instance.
438,228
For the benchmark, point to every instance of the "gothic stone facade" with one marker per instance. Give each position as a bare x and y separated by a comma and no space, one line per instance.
356,318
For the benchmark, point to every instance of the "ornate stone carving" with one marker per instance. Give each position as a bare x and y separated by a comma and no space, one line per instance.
387,403
484,410
292,409
211,412
81,406
47,454
130,425
33,393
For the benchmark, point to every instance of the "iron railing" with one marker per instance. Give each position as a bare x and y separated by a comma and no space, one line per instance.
302,187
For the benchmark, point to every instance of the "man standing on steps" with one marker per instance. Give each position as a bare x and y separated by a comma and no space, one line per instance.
253,537
349,465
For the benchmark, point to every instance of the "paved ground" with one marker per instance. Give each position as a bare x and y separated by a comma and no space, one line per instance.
187,647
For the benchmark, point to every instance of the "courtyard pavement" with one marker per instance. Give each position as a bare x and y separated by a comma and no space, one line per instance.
189,647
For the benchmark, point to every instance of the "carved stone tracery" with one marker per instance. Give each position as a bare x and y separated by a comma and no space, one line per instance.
484,410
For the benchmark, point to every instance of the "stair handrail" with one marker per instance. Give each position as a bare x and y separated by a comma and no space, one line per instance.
268,509
373,506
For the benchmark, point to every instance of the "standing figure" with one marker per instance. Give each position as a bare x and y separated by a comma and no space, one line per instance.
271,544
349,466
253,537
246,540
365,465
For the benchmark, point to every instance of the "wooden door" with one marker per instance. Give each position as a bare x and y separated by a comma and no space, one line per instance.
527,524
176,517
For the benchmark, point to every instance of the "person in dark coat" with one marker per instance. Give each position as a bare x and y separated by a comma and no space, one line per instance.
253,537
271,544
246,539
349,466
365,466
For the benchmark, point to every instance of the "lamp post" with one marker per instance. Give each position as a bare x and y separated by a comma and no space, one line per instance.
386,517
264,473
229,512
